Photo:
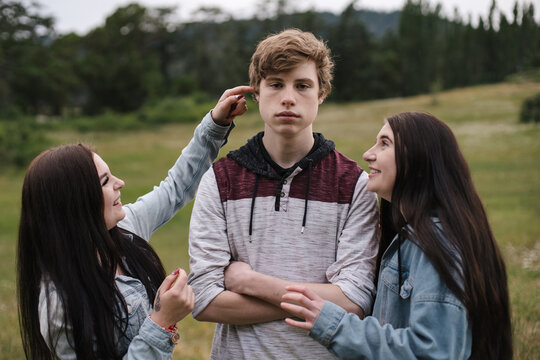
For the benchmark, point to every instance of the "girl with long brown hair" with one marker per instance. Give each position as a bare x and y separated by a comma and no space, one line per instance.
89,284
442,289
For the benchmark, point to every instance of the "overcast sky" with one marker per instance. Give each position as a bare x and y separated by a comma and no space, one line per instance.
83,15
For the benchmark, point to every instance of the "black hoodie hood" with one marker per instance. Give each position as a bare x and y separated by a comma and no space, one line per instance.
253,156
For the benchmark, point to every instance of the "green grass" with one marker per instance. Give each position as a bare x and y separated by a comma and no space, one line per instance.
503,154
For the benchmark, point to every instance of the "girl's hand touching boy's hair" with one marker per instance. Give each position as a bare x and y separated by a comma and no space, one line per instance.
231,104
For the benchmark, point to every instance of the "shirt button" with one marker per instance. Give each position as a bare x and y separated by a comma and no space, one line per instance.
285,182
129,308
282,194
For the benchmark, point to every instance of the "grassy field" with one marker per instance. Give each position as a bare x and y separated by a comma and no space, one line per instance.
504,157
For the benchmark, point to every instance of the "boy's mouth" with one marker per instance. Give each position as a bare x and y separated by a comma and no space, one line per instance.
287,114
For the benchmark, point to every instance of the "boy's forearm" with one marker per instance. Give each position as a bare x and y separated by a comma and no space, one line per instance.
271,289
237,309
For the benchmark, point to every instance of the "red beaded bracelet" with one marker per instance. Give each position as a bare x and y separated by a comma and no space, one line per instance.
172,329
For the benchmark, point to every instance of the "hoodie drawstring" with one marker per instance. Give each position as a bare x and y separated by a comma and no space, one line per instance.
253,206
310,164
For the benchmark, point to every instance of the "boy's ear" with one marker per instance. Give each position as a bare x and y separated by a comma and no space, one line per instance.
322,98
256,94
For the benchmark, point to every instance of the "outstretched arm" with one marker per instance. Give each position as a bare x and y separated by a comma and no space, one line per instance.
350,337
152,210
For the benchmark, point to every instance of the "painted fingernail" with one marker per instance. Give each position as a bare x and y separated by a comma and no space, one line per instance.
238,97
176,272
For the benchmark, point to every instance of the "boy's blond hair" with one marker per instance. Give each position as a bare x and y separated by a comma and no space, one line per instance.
284,51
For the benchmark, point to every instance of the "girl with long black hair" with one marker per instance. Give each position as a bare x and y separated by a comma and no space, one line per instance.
87,277
442,289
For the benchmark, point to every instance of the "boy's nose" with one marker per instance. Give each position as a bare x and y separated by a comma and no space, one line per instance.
288,98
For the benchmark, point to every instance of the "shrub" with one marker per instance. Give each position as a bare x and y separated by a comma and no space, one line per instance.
530,109
20,141
108,121
176,110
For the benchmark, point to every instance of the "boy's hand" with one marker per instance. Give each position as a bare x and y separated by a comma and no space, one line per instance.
230,105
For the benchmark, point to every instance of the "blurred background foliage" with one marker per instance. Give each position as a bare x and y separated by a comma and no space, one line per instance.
141,68
530,109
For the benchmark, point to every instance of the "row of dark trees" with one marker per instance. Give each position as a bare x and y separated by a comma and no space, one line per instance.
140,55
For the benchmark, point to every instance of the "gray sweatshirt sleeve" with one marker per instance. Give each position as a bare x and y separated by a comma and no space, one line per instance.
154,209
209,250
354,268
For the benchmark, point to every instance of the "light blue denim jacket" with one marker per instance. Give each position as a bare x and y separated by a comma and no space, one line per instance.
425,320
144,339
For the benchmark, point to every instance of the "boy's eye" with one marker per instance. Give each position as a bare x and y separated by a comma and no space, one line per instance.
275,85
302,86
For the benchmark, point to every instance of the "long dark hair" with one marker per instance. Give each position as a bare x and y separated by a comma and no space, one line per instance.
433,179
63,240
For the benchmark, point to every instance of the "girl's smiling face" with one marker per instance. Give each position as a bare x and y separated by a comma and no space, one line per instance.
110,185
382,164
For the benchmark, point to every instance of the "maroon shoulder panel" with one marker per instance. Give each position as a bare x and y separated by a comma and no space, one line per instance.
333,179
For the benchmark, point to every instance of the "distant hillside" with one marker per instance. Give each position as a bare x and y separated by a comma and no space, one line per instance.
377,23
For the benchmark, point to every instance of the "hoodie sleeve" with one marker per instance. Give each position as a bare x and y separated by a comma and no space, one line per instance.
354,268
209,250
154,209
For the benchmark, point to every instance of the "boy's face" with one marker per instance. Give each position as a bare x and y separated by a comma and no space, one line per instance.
289,101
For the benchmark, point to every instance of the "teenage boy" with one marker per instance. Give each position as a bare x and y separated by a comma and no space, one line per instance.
286,208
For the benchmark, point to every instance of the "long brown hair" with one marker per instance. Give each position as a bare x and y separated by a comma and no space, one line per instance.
433,180
63,239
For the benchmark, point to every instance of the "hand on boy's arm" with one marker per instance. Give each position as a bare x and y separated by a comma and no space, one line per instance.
236,309
303,303
231,104
242,279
